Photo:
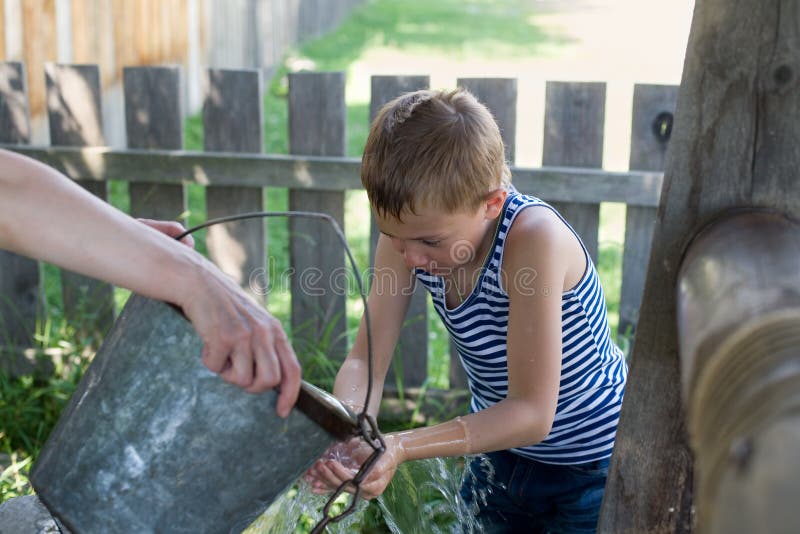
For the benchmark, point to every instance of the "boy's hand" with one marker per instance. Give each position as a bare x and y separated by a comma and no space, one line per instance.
343,460
320,475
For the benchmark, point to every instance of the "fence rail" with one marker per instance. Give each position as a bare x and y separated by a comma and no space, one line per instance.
316,174
565,184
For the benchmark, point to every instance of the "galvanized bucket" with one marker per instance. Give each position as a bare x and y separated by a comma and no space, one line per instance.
152,441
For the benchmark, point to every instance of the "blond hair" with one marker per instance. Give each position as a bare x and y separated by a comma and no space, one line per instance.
440,149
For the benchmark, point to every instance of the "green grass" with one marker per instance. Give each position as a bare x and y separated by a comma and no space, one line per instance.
609,261
456,28
30,405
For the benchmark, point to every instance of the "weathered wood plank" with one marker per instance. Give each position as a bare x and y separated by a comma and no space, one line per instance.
565,184
232,123
19,276
500,96
20,301
74,114
651,129
736,143
2,25
585,186
154,119
14,110
39,45
573,135
317,116
412,353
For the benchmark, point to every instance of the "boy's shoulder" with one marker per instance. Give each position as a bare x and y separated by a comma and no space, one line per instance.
538,231
537,222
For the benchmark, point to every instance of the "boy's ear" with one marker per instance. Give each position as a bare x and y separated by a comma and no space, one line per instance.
494,202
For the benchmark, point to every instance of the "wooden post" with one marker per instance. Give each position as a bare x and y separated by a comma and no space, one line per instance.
739,333
19,276
317,116
735,144
500,96
412,350
573,137
651,129
154,119
232,123
75,117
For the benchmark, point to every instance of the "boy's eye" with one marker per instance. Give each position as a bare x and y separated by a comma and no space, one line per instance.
431,243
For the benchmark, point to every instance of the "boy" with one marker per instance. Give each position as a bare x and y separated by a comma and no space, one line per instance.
518,292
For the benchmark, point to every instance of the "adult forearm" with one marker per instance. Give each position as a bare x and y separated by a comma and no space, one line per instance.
45,216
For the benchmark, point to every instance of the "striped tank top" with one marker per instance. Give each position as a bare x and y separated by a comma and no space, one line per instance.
593,368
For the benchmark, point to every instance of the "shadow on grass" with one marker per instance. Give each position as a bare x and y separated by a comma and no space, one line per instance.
474,28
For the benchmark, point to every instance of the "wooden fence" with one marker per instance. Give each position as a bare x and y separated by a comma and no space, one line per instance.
316,173
117,33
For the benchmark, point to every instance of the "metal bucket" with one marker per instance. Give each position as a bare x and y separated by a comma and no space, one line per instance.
152,441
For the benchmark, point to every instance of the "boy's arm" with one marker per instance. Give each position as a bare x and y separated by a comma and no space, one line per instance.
392,285
45,216
535,264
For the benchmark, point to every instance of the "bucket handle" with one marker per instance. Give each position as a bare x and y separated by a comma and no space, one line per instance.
367,426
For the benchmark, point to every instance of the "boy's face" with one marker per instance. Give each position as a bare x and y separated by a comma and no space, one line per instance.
439,242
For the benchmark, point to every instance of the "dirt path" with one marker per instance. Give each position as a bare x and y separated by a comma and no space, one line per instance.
621,42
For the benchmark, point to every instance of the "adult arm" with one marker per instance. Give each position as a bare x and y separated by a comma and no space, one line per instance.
47,217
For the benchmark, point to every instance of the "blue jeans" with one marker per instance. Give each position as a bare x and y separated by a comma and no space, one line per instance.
526,496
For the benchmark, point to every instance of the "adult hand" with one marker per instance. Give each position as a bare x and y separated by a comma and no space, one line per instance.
171,228
253,354
342,461
242,342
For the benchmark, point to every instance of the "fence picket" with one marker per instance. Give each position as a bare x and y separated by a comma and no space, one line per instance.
232,123
500,96
317,117
154,119
75,118
573,137
413,344
653,109
19,276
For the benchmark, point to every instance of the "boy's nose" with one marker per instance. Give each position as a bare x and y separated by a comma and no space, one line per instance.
414,259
